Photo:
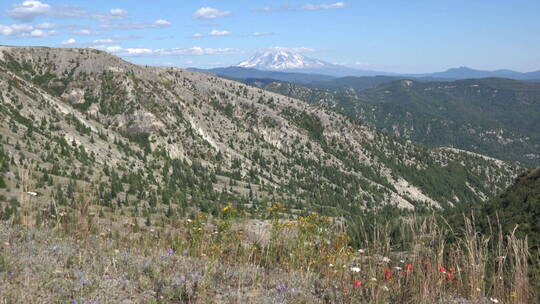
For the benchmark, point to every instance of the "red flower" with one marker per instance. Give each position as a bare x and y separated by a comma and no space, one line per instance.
450,275
442,269
357,284
388,274
408,268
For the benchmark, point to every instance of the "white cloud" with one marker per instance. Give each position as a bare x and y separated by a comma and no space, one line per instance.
282,8
193,51
217,33
118,12
196,35
139,51
135,25
32,9
263,10
101,41
162,22
37,33
24,30
70,41
208,13
259,34
45,26
28,10
113,49
290,49
312,7
15,29
85,32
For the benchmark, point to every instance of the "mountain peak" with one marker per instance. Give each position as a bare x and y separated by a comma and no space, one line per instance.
280,59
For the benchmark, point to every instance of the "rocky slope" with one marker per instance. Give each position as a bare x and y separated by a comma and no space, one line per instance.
82,118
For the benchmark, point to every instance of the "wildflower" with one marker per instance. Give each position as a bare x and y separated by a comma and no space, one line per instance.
184,252
361,251
398,268
494,300
388,274
385,288
373,279
386,260
355,269
281,288
288,224
442,269
450,275
513,294
408,268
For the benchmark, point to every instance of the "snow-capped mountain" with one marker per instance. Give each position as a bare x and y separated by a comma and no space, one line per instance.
285,60
281,60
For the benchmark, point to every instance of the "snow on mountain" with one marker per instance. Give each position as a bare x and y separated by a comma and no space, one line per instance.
280,60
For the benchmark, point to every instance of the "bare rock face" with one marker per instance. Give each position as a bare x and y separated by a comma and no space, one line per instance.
138,122
75,96
238,140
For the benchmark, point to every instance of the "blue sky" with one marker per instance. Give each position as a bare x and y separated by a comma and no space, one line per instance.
386,35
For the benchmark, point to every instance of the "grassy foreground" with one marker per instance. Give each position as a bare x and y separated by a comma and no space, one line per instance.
82,256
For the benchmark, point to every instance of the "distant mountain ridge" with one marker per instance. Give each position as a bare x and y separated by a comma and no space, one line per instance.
278,60
468,73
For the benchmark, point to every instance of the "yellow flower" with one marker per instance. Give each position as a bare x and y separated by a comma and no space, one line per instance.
227,208
513,294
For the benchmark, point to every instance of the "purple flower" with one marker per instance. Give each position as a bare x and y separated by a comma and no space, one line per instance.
169,253
184,252
281,288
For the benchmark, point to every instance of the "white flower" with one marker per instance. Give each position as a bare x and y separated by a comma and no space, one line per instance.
402,261
494,300
385,259
385,288
398,268
373,279
361,251
478,289
331,265
355,269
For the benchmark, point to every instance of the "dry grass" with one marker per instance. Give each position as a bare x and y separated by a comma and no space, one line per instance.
215,260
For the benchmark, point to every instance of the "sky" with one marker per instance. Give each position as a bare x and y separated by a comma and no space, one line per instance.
414,36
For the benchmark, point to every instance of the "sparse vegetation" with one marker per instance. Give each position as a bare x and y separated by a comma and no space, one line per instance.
160,185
